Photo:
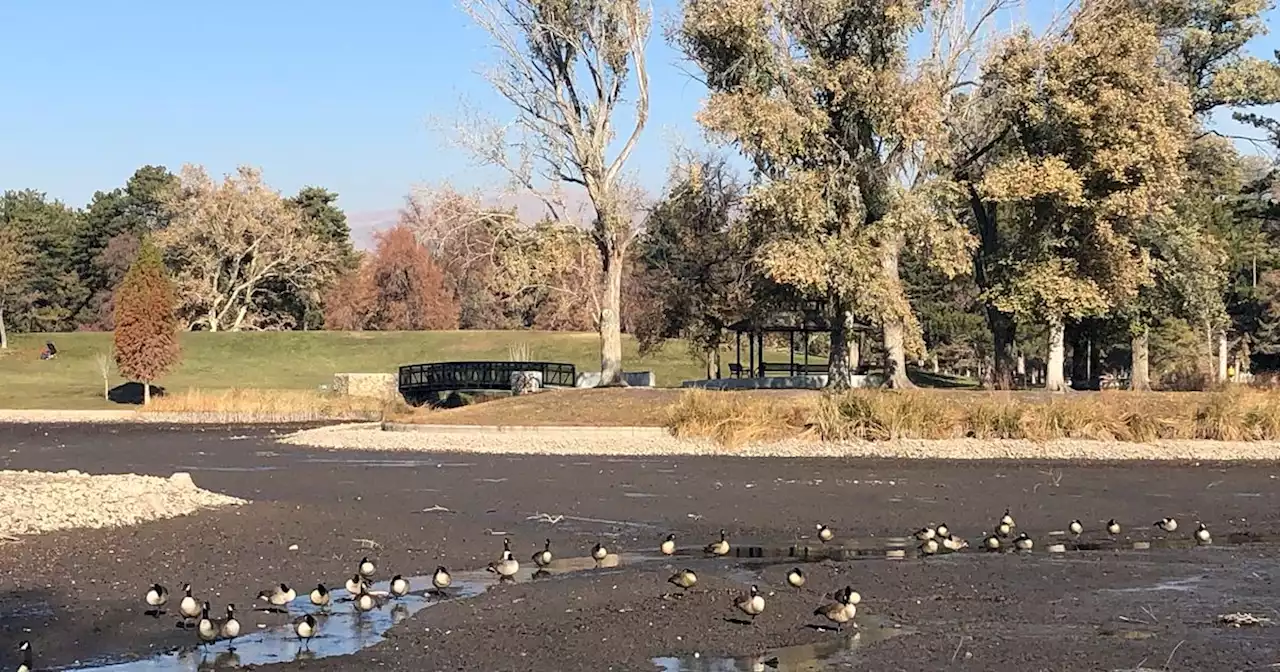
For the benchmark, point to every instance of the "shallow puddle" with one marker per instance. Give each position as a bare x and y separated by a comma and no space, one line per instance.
341,629
841,648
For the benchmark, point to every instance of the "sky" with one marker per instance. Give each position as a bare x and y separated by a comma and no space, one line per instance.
328,93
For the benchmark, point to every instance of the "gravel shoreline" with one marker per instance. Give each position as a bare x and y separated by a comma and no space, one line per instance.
41,501
624,441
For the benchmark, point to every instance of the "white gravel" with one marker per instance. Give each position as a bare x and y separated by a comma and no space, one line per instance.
652,441
41,501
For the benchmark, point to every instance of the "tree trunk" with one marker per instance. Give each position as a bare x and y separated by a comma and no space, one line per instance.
1222,356
933,363
611,322
842,364
1053,378
146,394
1140,377
1003,332
4,335
894,328
235,326
713,363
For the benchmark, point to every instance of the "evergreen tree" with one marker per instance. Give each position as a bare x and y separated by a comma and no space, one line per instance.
146,334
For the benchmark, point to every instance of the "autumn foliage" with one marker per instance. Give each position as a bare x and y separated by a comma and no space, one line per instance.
399,288
146,333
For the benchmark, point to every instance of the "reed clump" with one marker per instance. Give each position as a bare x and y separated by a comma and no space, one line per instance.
736,419
1231,414
268,405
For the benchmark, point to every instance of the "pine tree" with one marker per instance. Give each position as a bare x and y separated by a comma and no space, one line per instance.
146,335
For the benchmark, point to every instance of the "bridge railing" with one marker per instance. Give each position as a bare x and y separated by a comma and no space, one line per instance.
420,380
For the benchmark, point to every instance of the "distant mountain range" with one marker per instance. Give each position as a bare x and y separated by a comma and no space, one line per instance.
529,206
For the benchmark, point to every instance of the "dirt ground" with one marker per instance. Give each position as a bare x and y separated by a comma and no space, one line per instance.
77,594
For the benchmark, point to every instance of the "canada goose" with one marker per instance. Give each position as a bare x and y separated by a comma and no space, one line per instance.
599,552
837,612
1167,524
230,628
366,568
206,629
305,629
751,604
27,664
278,597
157,596
1007,519
1113,528
929,547
992,542
1023,542
795,577
1004,529
441,579
505,568
824,533
189,608
846,595
684,578
367,602
320,596
954,543
668,546
925,534
399,586
355,584
718,547
1076,527
943,531
1202,534
543,558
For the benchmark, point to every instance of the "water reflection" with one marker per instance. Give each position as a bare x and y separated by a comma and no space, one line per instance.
803,658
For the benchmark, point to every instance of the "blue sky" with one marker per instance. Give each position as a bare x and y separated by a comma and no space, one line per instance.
336,94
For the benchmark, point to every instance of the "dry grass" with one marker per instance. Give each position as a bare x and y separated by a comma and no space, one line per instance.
732,419
1235,414
258,405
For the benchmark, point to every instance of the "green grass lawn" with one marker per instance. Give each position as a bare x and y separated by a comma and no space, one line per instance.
299,360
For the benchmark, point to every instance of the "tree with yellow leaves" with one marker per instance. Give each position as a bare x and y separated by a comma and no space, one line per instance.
1101,135
847,133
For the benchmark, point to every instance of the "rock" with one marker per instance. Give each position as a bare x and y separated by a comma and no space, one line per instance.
526,382
73,472
182,479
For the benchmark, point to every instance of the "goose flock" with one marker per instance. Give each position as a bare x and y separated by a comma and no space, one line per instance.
839,608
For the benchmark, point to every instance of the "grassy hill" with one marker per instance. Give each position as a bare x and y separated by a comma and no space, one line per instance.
296,360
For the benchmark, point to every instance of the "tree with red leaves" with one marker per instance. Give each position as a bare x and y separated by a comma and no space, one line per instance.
399,288
146,333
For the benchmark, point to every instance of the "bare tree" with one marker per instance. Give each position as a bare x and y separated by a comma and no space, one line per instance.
228,241
104,362
565,67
